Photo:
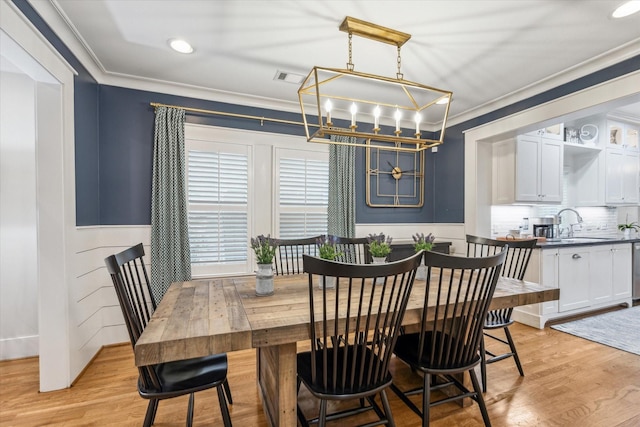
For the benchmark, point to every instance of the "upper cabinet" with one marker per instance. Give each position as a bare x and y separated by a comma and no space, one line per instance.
599,155
527,169
622,135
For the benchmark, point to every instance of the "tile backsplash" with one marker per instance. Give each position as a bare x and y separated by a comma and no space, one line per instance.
597,221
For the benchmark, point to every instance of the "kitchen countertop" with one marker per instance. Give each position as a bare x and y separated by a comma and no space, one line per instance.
584,241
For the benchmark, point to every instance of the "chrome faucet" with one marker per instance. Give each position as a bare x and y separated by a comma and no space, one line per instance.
579,219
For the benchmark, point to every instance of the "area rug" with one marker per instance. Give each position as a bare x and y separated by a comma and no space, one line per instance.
619,329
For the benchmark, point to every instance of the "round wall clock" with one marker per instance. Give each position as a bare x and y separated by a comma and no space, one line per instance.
394,178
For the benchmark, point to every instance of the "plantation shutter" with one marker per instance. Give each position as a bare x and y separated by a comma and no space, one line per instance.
303,196
218,214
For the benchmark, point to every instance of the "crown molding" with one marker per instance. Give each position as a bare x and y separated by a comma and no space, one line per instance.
585,68
62,26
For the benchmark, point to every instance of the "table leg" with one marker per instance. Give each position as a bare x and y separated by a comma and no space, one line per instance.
276,373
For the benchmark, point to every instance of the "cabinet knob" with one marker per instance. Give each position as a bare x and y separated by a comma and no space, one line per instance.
576,256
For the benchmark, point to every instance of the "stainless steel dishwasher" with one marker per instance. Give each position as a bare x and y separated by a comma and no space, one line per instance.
636,271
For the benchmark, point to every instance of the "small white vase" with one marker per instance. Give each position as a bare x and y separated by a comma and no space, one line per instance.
627,233
329,281
264,280
379,260
421,272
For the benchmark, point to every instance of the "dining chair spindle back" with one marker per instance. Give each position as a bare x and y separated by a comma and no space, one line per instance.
350,359
164,380
288,258
353,250
515,267
461,290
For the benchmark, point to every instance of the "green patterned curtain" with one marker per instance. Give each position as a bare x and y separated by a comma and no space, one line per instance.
342,183
170,253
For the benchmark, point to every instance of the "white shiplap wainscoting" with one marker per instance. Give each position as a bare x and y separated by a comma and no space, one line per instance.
94,310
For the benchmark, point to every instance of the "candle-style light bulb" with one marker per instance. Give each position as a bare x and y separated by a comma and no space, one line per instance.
397,116
328,106
354,110
376,117
418,119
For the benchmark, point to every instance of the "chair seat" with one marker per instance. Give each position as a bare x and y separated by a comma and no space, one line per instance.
191,374
408,349
496,320
336,390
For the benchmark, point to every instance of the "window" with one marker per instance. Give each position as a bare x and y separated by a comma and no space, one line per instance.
241,184
303,193
218,206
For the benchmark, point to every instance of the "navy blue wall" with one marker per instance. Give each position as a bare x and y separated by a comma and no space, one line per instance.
126,145
114,140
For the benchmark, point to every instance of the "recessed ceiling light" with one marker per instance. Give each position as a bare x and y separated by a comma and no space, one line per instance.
626,9
180,46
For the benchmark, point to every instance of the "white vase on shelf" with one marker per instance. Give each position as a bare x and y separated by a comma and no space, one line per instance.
264,280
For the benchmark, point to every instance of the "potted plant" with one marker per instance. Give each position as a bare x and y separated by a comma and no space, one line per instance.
328,250
422,243
379,247
265,249
626,228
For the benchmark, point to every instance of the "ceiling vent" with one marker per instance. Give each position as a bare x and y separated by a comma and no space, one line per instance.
288,77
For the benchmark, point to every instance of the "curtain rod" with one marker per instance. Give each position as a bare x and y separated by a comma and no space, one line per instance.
222,113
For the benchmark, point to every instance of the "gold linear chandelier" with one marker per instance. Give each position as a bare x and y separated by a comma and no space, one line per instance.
375,110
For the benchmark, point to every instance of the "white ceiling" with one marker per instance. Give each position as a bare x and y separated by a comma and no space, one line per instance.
483,51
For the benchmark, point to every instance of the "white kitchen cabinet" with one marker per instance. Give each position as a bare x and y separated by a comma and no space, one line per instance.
573,278
601,272
622,270
621,176
621,134
538,170
589,277
528,169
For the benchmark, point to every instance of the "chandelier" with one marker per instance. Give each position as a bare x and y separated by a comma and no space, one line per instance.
377,111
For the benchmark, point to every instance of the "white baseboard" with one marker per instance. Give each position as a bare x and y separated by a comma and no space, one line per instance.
18,348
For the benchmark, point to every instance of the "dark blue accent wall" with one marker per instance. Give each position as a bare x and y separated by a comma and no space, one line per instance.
126,145
114,146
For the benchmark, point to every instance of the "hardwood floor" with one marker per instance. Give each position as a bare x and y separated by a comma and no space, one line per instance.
569,382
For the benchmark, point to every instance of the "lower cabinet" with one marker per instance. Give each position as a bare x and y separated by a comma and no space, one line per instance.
589,277
574,278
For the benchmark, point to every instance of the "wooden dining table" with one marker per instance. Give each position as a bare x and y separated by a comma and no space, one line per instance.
202,317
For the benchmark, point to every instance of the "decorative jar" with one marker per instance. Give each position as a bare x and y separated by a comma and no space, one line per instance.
264,280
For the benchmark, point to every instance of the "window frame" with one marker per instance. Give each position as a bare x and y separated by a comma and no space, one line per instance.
263,192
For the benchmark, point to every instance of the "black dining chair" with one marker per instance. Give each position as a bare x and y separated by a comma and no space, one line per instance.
458,293
288,258
350,359
170,379
515,266
353,250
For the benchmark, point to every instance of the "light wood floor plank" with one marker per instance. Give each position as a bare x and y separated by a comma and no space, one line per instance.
568,382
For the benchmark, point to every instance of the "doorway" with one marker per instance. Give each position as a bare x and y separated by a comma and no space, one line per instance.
38,116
